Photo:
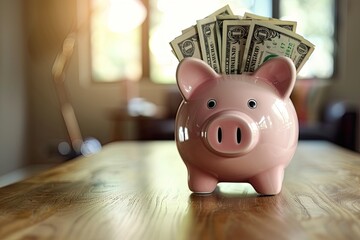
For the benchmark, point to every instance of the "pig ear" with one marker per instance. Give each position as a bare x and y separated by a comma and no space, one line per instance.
191,73
279,72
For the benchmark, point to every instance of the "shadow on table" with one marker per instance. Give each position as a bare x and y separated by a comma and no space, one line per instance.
236,211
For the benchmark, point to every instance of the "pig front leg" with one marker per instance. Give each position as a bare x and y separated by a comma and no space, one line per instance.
200,181
268,182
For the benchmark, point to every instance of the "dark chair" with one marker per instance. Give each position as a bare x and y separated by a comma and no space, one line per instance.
338,124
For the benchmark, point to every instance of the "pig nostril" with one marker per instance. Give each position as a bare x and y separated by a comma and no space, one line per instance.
219,135
238,135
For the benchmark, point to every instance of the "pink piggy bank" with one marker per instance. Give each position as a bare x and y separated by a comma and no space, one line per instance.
236,128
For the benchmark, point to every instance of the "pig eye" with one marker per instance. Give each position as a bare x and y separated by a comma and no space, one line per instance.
211,103
252,103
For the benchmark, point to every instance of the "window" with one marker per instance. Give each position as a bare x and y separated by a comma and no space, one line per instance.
316,22
116,39
130,39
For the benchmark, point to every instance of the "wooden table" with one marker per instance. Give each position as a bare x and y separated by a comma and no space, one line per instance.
136,190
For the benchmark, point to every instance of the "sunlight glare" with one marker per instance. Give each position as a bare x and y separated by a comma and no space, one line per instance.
124,16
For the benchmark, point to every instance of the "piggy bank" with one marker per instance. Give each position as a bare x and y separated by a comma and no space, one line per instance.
236,128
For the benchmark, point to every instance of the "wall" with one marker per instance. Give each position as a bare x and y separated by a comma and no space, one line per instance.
347,83
13,105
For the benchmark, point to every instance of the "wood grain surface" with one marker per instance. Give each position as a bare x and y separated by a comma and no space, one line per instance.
136,190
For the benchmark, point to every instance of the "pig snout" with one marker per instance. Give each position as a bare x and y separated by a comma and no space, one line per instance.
231,133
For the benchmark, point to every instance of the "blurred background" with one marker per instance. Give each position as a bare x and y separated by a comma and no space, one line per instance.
103,71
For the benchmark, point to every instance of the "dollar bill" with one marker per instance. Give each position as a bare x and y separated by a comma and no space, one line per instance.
248,15
302,54
235,33
226,10
232,48
208,42
187,29
208,35
232,44
219,29
187,45
266,41
290,25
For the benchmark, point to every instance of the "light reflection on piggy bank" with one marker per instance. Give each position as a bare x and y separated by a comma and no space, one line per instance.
236,128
